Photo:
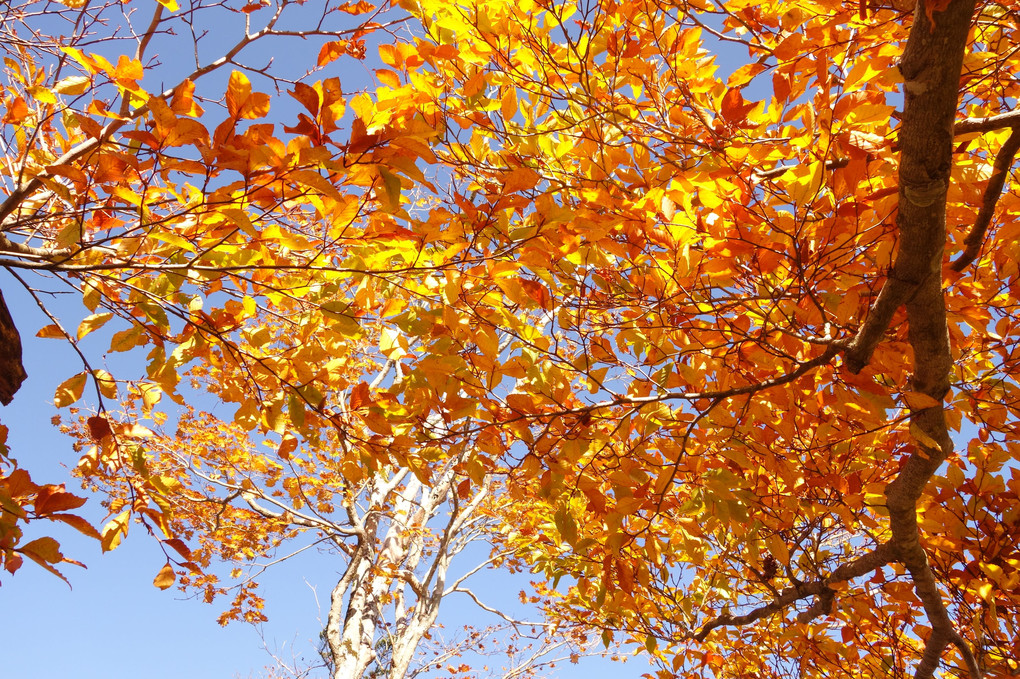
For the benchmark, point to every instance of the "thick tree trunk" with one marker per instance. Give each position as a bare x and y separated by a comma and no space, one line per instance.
12,371
931,67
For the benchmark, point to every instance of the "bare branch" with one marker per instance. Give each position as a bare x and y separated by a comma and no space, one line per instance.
499,613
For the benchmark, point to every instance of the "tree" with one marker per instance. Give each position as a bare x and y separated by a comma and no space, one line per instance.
242,262
733,343
781,309
125,196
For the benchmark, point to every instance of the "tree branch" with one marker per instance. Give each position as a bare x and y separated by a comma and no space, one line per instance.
866,563
997,122
931,66
499,613
1000,170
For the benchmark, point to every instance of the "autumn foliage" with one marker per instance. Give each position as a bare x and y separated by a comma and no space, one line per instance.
706,311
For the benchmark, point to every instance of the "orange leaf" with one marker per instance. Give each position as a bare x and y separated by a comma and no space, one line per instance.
932,6
183,101
919,401
520,179
360,7
308,97
360,396
166,577
51,331
52,499
116,529
287,446
241,101
70,390
17,111
332,51
78,523
734,108
41,550
128,69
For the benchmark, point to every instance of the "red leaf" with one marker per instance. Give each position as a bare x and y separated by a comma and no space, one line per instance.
179,547
360,396
734,108
99,428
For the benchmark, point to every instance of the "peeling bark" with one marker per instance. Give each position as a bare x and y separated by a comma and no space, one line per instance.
394,584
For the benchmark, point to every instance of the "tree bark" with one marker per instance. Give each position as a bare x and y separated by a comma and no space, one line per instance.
12,371
931,66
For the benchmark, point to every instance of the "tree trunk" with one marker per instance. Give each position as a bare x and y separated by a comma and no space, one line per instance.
12,371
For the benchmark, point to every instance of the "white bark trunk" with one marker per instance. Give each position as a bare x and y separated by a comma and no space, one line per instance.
396,579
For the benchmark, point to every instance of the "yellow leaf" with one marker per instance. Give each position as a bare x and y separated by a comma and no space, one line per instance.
238,91
922,437
51,331
862,72
135,431
151,394
803,188
389,343
124,340
42,94
70,390
93,322
992,570
315,181
116,529
107,385
82,59
391,183
174,240
169,4
76,84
